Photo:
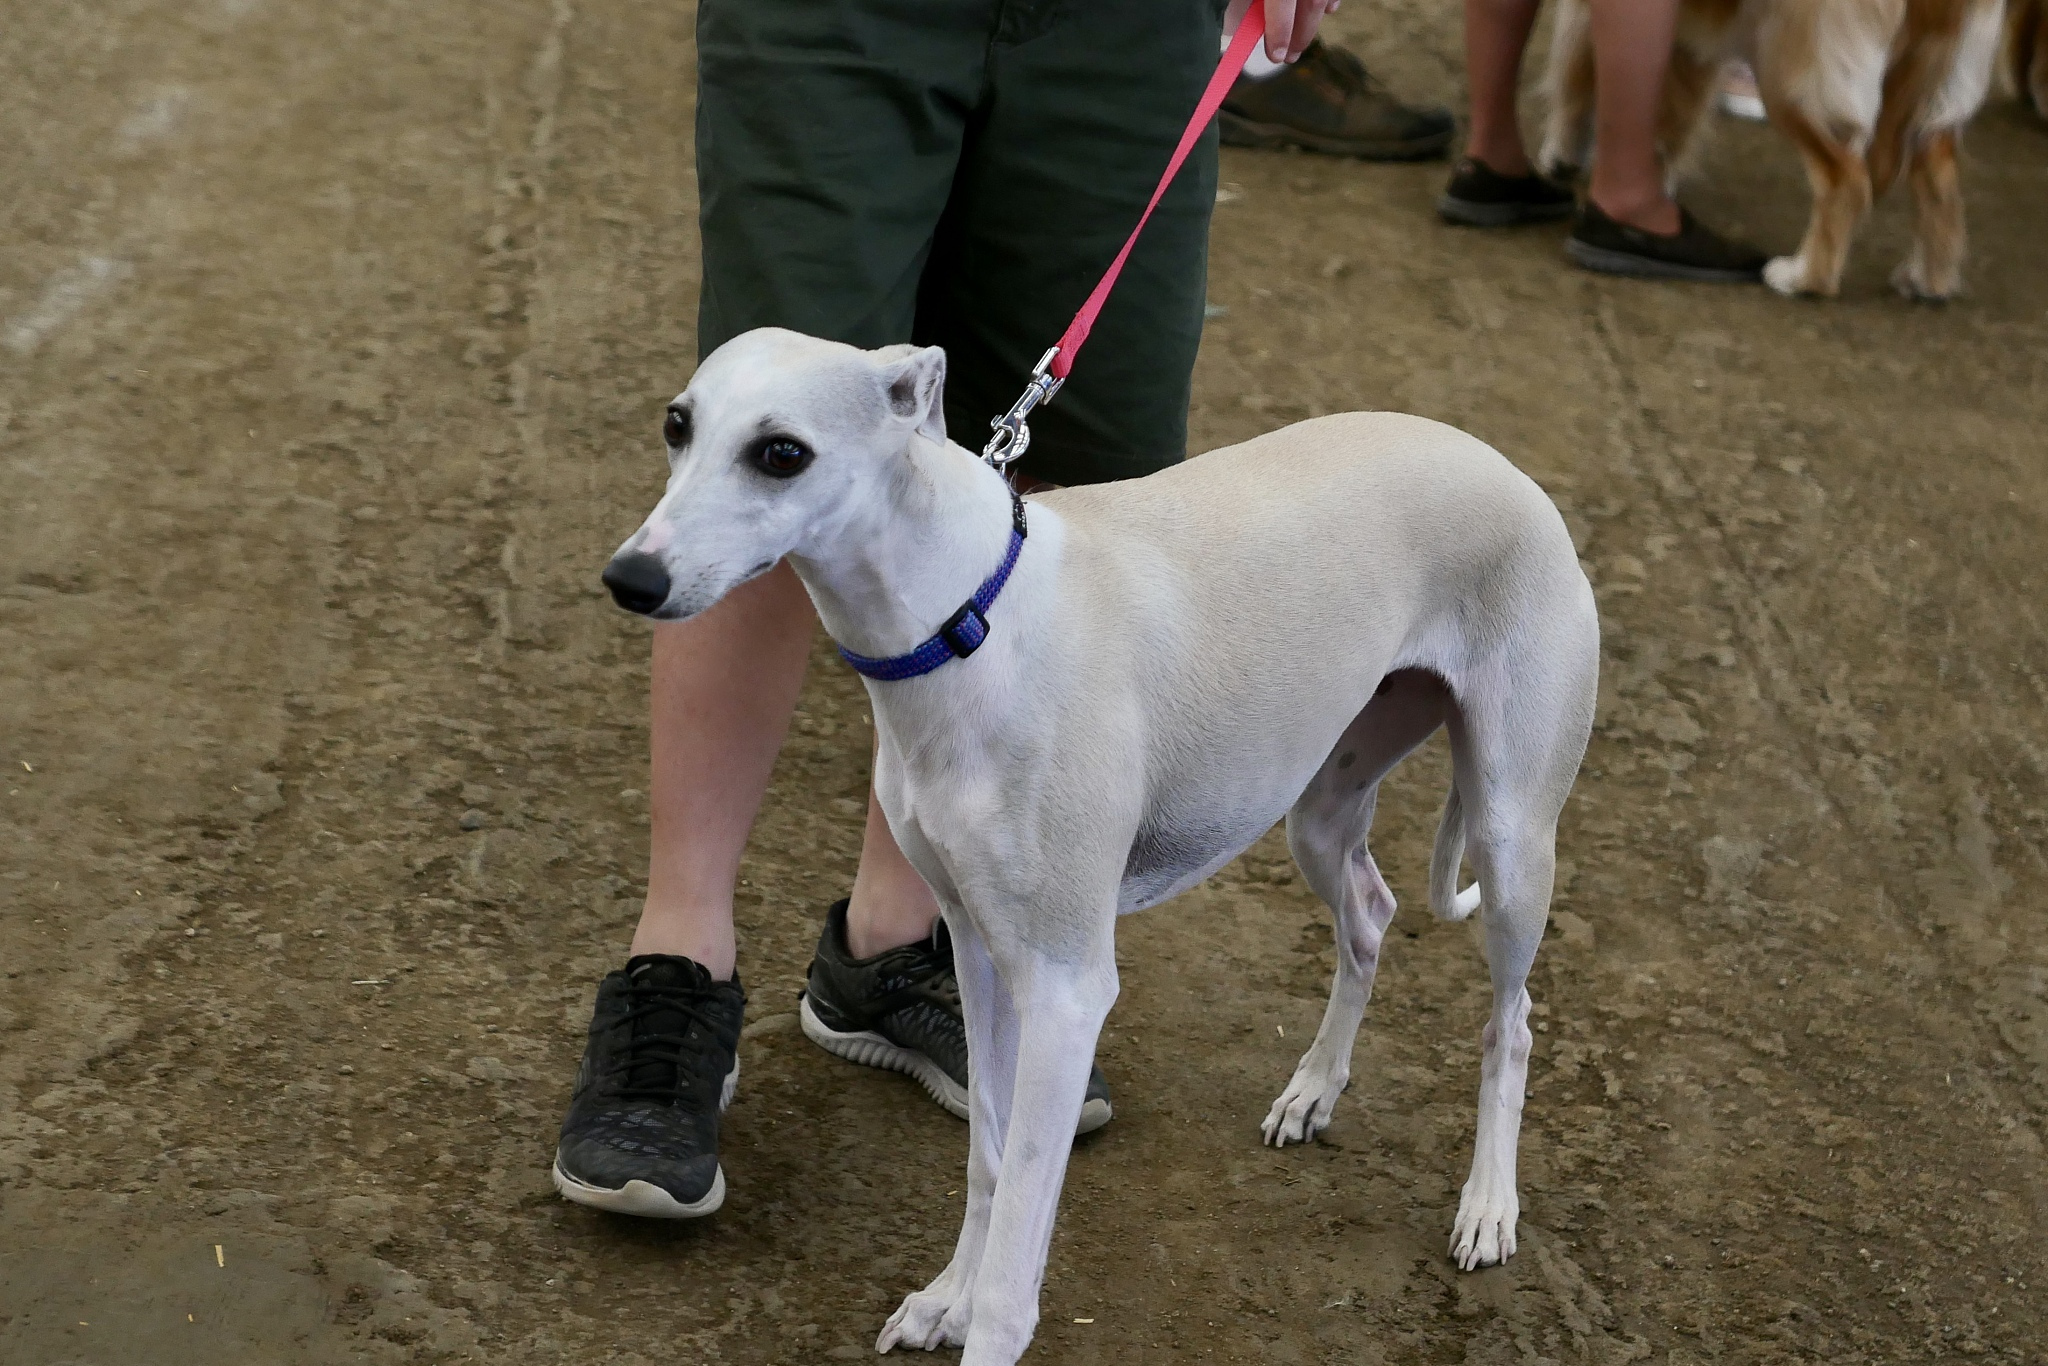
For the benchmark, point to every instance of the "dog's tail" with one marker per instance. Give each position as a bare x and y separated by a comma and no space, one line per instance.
1446,902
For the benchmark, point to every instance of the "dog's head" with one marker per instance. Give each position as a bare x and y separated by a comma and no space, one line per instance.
779,441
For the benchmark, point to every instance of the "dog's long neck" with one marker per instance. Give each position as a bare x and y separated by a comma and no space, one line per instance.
905,557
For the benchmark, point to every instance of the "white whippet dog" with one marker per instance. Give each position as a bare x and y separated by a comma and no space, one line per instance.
1175,664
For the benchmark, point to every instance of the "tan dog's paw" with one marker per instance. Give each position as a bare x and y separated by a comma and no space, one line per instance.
1786,274
1911,281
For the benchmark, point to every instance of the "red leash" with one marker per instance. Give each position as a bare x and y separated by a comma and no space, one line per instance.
1012,434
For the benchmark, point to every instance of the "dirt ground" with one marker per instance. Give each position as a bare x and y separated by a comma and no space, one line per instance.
336,338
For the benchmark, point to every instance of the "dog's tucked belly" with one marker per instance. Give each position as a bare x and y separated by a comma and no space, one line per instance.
1168,858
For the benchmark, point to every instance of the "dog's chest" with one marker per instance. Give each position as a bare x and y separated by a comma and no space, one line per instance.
1169,856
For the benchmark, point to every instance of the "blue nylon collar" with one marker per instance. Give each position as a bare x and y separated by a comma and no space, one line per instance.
963,633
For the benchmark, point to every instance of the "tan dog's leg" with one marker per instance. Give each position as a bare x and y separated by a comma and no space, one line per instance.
1841,195
1934,267
1953,79
1820,69
1568,91
1688,90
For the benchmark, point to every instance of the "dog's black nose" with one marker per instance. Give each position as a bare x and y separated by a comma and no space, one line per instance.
638,582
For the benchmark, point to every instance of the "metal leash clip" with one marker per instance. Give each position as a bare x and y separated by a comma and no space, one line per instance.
1013,433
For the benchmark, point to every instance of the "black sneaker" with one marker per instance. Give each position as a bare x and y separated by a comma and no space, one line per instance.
1328,102
1481,197
1694,252
900,1010
641,1135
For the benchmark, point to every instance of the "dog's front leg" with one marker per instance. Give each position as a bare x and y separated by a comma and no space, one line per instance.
938,1315
1061,1004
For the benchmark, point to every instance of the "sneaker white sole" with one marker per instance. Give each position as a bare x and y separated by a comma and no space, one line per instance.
644,1198
870,1049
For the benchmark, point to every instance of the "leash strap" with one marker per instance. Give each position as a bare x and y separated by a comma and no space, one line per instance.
1012,435
963,632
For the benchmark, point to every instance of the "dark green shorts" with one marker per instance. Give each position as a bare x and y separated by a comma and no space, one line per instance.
960,173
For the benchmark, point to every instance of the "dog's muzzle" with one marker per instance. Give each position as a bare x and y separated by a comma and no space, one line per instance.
637,581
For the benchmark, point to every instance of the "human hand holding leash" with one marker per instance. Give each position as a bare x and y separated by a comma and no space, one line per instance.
1290,24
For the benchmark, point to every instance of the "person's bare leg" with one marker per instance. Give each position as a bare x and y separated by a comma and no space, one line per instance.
724,684
1496,34
890,906
1631,49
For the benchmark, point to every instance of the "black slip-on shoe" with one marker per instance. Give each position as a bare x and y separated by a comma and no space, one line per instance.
900,1011
1694,252
641,1135
1328,102
1481,197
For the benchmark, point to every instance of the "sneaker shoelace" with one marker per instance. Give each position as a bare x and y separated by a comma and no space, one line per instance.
655,1057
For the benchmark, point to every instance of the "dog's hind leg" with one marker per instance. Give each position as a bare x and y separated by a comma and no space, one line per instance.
1327,832
1820,69
1568,92
1933,269
1515,759
939,1314
1689,84
1841,195
1516,910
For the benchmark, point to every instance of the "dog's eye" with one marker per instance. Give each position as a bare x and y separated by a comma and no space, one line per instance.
781,458
675,428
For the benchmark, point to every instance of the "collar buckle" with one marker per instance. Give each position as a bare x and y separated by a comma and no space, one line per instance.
965,632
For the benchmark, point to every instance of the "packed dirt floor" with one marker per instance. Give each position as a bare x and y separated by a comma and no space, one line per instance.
335,342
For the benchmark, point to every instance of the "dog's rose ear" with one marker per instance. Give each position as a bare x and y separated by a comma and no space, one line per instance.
917,389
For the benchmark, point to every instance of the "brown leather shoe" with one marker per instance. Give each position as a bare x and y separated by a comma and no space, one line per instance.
1328,102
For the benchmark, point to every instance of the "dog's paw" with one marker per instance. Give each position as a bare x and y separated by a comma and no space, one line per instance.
1910,280
934,1317
1303,1109
1484,1234
1559,165
1785,274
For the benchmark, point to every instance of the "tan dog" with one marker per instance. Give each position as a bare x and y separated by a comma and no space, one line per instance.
1864,88
2027,53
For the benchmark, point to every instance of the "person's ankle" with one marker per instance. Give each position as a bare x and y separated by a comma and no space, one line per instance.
889,905
1656,213
1504,160
878,920
866,938
661,931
